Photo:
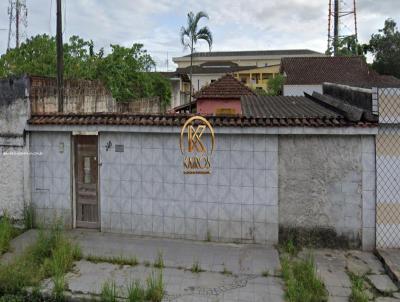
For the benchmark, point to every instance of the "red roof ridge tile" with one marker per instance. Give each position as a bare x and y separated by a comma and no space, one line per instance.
230,88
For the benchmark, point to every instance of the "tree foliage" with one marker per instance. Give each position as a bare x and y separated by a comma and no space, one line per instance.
349,47
385,46
125,70
275,85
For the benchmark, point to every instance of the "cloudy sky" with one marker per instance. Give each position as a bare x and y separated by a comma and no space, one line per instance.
236,24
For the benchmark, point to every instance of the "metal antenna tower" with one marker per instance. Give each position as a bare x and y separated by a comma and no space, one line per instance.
344,23
18,21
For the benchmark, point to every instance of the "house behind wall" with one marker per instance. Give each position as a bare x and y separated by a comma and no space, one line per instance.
256,186
257,182
21,97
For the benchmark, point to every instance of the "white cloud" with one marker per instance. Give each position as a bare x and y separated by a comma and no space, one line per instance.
236,24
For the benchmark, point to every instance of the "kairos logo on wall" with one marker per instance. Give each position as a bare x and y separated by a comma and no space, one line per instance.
197,143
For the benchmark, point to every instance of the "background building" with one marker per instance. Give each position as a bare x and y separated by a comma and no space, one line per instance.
253,68
307,75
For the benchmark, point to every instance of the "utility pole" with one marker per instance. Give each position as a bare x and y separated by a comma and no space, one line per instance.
60,59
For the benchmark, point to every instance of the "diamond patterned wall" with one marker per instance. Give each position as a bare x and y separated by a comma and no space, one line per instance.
144,190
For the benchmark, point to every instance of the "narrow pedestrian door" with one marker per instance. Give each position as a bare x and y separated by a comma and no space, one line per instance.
86,181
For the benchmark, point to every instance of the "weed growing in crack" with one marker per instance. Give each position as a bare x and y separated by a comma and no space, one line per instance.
358,293
109,292
120,260
155,286
196,268
302,282
159,262
265,273
136,292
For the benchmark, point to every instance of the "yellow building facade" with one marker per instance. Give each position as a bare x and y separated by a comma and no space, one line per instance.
257,78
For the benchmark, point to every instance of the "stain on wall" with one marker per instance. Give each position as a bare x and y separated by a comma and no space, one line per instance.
320,184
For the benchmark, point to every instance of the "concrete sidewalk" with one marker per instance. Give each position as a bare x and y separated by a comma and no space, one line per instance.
391,260
248,259
243,266
231,272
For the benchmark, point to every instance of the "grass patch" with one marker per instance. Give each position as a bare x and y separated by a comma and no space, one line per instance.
358,293
302,282
6,233
133,261
155,287
136,292
109,292
50,256
159,262
196,268
290,247
29,218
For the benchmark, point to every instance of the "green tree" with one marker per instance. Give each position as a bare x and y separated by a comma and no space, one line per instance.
191,34
385,46
36,56
348,47
80,60
275,85
125,71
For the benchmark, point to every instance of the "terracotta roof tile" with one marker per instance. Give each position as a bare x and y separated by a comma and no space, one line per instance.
223,88
178,120
341,70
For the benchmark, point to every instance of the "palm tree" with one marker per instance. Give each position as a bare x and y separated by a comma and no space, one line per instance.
190,35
